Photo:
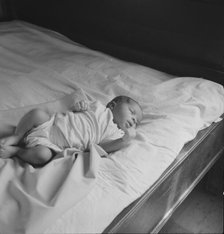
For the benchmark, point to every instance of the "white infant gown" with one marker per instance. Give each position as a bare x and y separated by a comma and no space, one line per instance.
75,129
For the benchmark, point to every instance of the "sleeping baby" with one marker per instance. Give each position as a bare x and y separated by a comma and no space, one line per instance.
39,135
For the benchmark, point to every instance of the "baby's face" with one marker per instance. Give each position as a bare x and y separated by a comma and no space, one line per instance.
127,115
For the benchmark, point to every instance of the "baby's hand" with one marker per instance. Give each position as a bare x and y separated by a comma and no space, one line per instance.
80,106
130,133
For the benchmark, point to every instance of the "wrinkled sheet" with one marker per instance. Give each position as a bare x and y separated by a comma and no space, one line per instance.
40,68
31,199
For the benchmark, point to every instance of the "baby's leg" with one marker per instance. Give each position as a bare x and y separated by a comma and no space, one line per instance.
36,156
30,120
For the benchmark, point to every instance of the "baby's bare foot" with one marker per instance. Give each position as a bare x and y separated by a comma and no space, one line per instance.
2,143
8,151
10,140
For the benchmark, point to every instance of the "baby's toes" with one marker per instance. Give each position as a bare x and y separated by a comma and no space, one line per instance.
2,143
5,152
2,152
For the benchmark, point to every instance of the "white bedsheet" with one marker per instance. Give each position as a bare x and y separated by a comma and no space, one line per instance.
38,68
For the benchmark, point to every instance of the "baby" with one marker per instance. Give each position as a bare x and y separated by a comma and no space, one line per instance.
39,135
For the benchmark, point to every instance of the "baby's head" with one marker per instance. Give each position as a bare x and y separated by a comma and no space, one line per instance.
127,112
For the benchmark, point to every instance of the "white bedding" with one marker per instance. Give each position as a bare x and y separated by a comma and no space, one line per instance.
38,68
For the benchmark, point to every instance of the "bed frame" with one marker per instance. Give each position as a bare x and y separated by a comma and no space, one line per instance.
148,32
151,211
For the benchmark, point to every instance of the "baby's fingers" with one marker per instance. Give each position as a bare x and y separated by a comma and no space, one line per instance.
81,106
84,105
130,133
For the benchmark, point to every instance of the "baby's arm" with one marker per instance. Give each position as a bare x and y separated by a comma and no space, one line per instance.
70,102
120,143
114,145
59,106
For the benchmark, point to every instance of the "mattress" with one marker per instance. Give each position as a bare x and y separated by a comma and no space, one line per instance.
40,68
153,209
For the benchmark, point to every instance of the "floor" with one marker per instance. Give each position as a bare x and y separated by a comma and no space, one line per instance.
202,211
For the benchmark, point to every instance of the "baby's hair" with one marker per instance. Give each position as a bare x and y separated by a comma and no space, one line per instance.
121,98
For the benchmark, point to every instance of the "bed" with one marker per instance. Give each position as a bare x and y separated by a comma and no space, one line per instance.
134,190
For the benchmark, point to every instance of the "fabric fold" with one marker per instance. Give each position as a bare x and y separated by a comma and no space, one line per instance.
42,195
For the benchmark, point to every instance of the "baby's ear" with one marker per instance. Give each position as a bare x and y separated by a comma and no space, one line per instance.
111,105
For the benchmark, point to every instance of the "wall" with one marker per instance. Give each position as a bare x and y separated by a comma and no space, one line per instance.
157,33
1,11
193,17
